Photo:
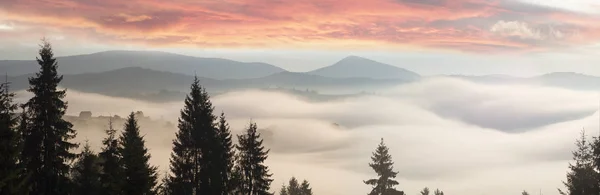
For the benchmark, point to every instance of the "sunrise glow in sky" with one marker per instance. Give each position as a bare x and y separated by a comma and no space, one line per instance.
537,35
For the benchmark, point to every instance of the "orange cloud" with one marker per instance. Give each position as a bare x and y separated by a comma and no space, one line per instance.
449,24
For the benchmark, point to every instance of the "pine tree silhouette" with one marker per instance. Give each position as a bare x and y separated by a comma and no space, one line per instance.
47,148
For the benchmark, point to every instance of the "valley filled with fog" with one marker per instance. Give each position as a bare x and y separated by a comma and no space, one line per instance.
462,136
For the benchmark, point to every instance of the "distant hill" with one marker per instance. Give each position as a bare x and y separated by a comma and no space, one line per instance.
152,85
162,61
567,80
358,67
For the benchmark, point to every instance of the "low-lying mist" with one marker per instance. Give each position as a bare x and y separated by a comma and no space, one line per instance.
461,137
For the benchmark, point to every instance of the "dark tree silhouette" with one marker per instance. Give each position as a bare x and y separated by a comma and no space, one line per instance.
438,192
225,160
294,188
112,173
140,177
425,191
196,148
382,165
10,144
47,148
86,173
256,179
581,178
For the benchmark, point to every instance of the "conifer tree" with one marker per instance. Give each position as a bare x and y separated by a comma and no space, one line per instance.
582,178
438,192
112,173
225,159
140,177
294,188
256,179
47,148
305,188
195,149
283,190
425,191
9,144
382,165
86,173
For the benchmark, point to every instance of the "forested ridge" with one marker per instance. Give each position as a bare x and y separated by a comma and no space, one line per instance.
37,152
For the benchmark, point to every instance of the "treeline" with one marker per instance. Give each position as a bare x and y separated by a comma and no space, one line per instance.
37,151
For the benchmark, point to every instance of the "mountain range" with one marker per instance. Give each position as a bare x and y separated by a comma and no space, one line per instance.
161,76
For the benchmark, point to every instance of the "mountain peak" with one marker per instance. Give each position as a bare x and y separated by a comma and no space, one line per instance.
360,67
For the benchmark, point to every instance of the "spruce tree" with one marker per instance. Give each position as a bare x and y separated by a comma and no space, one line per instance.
294,188
139,177
582,178
425,191
595,148
382,165
438,192
112,173
47,148
195,154
283,190
256,179
86,173
305,188
9,144
225,161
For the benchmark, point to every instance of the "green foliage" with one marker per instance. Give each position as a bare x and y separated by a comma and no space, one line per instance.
46,151
86,173
382,165
112,175
140,177
256,179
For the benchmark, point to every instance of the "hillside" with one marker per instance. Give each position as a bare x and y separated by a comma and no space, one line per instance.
215,68
358,67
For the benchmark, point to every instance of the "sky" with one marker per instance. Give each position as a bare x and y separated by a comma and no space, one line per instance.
461,137
516,37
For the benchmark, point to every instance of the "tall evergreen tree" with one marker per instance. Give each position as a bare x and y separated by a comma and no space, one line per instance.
140,177
256,179
582,177
112,173
225,160
195,150
9,144
382,165
86,173
47,148
438,192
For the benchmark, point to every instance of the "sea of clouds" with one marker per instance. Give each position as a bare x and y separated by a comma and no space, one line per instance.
462,137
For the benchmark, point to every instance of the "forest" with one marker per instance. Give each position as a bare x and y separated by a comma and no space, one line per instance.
38,153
